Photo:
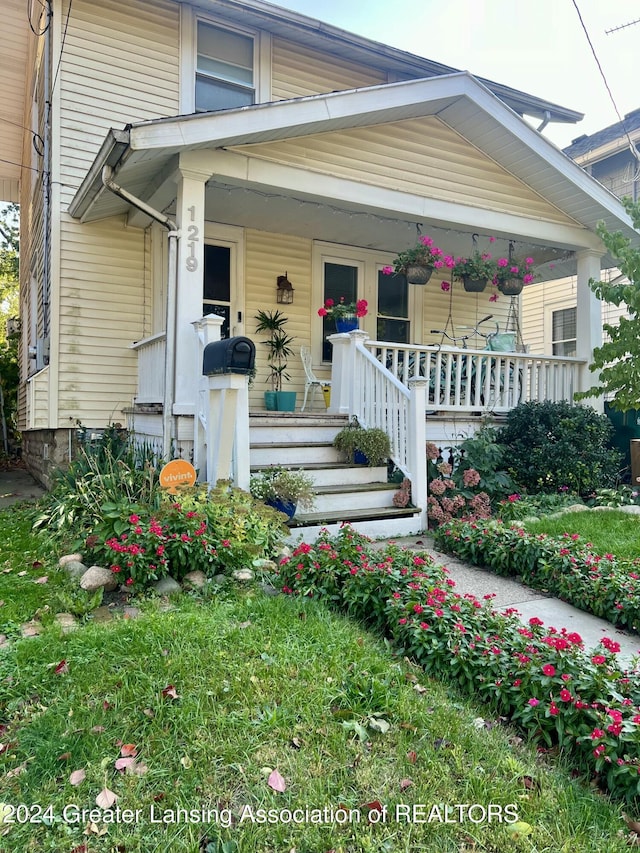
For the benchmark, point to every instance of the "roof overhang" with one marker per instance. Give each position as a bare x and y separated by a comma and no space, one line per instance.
145,154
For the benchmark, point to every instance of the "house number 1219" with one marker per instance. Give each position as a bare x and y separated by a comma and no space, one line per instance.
191,261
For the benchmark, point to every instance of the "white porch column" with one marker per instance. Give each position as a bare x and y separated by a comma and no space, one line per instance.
208,330
190,220
343,370
418,445
588,320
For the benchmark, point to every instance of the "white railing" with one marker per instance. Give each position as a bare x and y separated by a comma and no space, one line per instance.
151,354
466,380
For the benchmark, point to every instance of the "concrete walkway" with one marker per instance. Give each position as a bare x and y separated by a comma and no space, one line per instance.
528,602
17,484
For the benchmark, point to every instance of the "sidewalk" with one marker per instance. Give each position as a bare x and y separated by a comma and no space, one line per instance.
17,484
528,602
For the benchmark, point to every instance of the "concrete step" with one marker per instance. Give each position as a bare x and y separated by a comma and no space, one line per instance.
361,496
339,473
392,522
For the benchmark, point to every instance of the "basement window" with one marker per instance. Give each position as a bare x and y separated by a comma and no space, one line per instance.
224,69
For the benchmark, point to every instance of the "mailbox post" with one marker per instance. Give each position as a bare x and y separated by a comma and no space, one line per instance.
227,364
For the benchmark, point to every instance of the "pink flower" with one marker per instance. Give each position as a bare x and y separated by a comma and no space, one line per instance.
528,261
533,702
322,312
493,297
134,519
565,695
329,303
503,262
492,239
387,270
549,669
598,659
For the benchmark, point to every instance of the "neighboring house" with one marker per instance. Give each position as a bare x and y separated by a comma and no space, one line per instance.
549,307
178,158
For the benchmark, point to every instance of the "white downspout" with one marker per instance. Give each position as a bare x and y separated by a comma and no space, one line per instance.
168,425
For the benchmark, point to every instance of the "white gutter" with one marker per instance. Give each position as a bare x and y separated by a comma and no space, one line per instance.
168,421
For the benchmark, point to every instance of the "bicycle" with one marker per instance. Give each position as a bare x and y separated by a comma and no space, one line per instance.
497,383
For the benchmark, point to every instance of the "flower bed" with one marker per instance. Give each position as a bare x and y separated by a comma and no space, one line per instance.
539,677
564,566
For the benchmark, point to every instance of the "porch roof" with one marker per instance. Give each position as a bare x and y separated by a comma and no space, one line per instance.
144,156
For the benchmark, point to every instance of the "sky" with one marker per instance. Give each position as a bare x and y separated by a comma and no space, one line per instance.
537,46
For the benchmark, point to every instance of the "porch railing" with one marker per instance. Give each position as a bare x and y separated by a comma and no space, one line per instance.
151,353
465,380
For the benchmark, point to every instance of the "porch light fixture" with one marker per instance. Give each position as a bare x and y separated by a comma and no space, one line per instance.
284,293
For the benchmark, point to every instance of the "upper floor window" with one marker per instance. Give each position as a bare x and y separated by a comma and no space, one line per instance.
563,332
224,69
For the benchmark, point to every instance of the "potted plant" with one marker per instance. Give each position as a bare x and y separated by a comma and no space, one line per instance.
279,349
283,489
344,314
364,446
475,271
512,274
418,262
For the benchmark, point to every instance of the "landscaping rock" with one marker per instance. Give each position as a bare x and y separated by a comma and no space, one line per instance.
219,580
67,622
577,508
75,568
269,589
131,612
265,565
632,509
195,579
243,575
69,558
3,641
606,509
166,586
102,614
98,578
31,629
285,551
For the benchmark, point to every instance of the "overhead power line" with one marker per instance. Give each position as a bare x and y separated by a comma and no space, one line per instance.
622,27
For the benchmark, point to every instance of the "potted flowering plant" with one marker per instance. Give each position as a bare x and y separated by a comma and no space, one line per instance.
475,271
512,274
344,314
283,489
418,262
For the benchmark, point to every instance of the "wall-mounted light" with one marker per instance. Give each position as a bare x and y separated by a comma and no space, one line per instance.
284,293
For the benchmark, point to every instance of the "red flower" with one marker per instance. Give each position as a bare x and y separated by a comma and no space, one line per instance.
549,669
598,659
565,695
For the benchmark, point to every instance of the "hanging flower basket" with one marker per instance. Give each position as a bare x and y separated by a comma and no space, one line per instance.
418,273
510,286
473,285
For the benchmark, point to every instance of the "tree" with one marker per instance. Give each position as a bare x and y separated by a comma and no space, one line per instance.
617,361
9,305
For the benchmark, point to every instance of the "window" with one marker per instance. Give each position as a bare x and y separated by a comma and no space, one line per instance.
339,280
216,287
563,332
393,308
224,69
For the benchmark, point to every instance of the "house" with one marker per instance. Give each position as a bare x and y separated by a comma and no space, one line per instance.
174,159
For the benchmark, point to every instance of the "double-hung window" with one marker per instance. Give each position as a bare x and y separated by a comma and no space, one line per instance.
563,332
224,69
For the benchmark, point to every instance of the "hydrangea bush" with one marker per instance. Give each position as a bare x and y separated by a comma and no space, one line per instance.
541,678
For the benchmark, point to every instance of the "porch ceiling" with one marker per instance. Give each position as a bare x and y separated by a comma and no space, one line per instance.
147,157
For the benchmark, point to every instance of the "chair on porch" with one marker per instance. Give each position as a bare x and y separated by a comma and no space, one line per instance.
311,381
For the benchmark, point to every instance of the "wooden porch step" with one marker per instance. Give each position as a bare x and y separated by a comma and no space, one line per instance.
326,474
325,518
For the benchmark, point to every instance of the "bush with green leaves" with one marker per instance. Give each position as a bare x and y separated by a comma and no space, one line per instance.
540,678
516,506
553,446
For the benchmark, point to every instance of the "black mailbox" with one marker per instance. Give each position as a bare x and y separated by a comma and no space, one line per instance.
232,355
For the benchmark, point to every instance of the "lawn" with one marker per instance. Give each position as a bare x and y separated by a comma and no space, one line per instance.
609,531
197,717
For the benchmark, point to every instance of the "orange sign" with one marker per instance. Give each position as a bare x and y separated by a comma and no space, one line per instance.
176,474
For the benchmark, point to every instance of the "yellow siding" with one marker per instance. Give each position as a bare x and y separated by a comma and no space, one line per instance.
267,257
298,71
40,412
422,156
120,64
103,306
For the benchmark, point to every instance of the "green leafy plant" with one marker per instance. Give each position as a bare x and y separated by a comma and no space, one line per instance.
372,442
423,253
280,484
479,265
278,345
553,446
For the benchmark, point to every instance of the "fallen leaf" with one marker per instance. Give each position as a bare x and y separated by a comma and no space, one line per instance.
1,603
106,799
106,705
276,781
379,725
405,783
170,692
93,829
149,713
43,579
124,764
520,828
61,668
129,750
21,574
442,743
64,757
77,777
419,688
16,771
296,743
633,825
98,730
140,769
244,624
81,848
37,564
186,762
412,756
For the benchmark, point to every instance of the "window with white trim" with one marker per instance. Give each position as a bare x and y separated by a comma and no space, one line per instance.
393,322
563,332
224,69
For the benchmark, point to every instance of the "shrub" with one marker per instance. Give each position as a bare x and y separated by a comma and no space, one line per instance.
556,445
540,678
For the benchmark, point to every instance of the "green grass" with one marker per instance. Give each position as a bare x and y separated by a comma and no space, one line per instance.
609,531
266,683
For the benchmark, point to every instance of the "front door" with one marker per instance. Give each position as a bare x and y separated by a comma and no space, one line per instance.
222,285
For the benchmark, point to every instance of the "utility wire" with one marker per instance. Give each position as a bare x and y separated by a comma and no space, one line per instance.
64,38
49,12
632,146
